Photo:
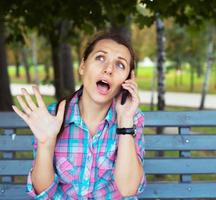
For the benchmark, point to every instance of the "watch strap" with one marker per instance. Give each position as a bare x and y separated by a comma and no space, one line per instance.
126,131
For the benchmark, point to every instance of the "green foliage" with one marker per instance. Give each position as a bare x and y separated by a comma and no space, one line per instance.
184,12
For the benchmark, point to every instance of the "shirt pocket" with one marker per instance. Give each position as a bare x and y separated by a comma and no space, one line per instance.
105,164
68,164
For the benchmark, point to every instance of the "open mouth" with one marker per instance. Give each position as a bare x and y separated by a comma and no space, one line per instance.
103,86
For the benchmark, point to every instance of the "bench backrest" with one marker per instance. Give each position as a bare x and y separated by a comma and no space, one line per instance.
182,164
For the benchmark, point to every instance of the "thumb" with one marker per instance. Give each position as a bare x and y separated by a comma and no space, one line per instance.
61,110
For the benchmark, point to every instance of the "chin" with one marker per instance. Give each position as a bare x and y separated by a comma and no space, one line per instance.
102,99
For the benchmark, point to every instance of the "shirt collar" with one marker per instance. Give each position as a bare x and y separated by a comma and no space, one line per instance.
73,113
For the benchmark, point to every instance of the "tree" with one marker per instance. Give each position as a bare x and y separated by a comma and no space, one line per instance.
5,94
160,63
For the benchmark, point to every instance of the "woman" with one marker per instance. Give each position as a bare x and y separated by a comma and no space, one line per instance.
88,149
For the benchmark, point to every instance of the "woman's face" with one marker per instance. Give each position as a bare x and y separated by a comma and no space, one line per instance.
105,69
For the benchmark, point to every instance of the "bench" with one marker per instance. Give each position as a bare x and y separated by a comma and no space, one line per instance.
185,162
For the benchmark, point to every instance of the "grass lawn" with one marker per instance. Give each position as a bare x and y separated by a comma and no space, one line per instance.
145,77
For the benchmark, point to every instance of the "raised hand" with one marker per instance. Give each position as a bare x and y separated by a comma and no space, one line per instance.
44,126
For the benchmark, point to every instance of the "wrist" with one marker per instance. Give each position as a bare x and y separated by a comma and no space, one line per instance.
125,122
49,144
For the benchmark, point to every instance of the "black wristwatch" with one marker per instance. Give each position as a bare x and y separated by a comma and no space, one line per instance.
126,131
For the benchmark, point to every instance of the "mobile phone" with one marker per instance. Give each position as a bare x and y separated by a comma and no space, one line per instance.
125,92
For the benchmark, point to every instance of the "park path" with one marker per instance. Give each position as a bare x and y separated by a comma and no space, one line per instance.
172,98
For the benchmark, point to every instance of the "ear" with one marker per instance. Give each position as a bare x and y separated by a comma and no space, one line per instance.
82,67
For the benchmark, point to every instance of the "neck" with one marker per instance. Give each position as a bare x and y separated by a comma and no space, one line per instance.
91,110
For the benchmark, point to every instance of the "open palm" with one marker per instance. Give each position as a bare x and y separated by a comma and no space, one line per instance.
43,125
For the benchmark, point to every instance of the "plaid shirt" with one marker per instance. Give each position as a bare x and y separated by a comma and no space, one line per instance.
84,165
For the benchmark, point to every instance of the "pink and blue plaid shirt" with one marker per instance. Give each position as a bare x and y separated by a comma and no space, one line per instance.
84,165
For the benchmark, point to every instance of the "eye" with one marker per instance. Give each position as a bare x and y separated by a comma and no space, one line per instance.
120,65
100,58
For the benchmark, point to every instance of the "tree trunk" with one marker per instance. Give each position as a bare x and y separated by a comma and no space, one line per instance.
123,30
67,67
17,63
208,70
58,72
47,71
191,77
181,74
26,65
5,95
199,70
160,63
177,73
34,58
153,88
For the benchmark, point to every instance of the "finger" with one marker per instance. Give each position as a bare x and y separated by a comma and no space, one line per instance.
23,105
28,99
132,86
131,82
130,89
38,96
61,110
21,114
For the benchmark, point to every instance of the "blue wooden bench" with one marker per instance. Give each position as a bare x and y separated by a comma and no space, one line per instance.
186,160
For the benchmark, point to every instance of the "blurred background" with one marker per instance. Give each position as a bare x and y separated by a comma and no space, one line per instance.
41,42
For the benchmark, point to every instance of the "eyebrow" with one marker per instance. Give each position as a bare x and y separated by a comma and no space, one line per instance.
105,52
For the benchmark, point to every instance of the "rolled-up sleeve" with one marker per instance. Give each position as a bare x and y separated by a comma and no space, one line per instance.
50,191
140,145
46,194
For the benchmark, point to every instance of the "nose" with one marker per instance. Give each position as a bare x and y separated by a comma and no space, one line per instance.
108,69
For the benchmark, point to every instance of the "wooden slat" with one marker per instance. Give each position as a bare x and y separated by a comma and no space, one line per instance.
11,120
13,192
180,165
155,118
174,119
181,190
152,190
16,143
152,166
15,167
180,142
152,142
